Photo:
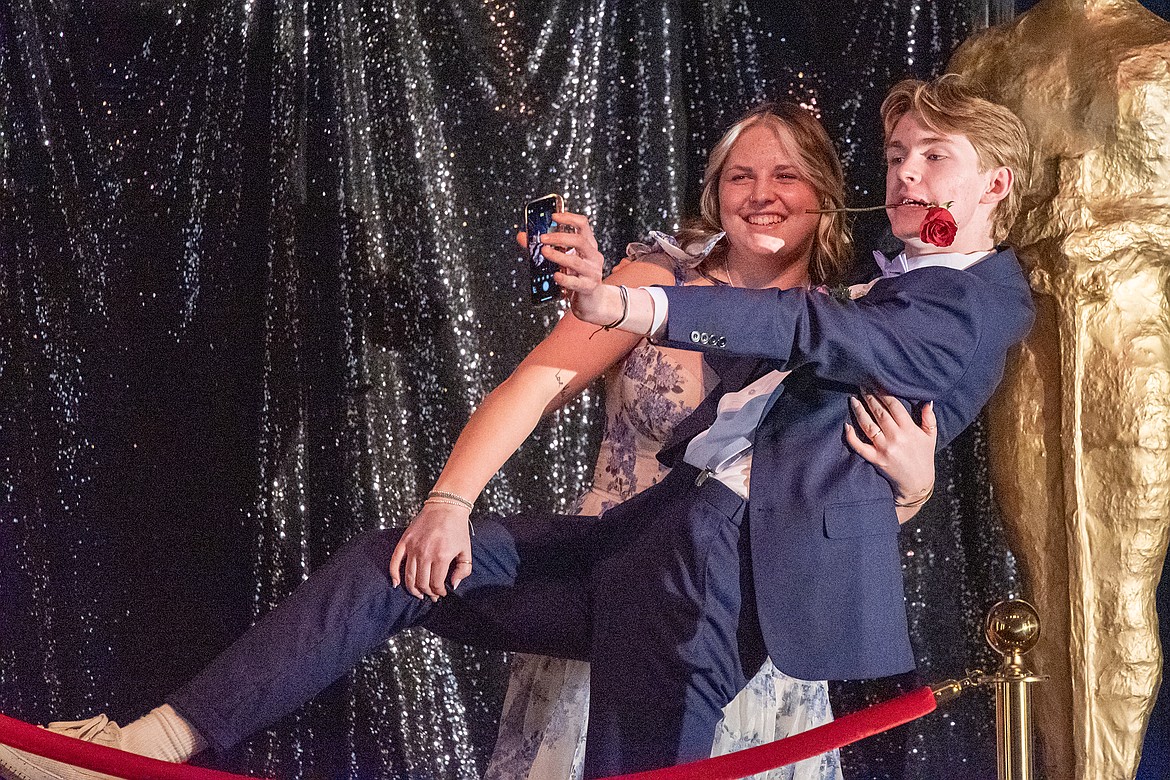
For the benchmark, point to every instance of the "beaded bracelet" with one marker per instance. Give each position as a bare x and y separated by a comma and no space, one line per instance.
451,499
453,496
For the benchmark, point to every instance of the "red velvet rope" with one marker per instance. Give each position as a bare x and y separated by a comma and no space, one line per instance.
841,732
850,728
99,758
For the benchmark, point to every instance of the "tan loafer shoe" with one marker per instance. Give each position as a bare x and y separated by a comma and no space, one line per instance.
21,765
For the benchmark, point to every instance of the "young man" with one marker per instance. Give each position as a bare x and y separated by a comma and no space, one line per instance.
822,548
677,595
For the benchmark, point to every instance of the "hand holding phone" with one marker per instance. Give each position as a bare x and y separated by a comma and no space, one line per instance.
579,267
538,220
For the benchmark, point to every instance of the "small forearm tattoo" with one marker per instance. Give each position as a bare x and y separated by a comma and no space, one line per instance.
563,394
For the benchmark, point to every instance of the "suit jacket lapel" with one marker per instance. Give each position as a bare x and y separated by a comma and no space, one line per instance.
735,373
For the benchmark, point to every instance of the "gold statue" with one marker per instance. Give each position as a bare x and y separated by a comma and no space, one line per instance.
1081,429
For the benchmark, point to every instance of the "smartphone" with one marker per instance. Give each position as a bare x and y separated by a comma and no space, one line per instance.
538,220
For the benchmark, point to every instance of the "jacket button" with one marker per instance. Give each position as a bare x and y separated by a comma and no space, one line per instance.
695,336
706,338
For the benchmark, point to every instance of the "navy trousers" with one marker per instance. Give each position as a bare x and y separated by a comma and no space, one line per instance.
656,593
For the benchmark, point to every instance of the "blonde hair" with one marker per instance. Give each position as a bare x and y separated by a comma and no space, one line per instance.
952,104
832,252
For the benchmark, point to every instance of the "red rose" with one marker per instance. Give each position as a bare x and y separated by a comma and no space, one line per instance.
938,227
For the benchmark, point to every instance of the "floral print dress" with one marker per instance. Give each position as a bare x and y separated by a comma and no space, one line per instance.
543,725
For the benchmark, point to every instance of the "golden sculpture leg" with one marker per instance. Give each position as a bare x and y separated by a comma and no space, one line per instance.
1027,452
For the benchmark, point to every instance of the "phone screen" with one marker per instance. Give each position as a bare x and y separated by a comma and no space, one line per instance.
538,220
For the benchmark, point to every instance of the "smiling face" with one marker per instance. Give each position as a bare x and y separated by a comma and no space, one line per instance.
925,167
764,194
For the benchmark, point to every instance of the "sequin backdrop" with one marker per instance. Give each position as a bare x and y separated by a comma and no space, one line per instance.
257,270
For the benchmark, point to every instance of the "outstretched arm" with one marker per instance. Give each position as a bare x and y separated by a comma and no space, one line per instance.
914,337
573,355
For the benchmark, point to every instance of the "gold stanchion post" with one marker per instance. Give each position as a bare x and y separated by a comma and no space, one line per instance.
1013,628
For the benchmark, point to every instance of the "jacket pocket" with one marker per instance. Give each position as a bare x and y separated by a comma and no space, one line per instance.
861,518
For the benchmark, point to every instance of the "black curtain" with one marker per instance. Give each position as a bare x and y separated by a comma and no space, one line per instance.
257,268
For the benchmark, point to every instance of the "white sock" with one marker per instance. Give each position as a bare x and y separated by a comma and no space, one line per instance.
162,733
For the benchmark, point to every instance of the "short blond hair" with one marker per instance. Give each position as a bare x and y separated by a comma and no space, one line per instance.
832,253
952,104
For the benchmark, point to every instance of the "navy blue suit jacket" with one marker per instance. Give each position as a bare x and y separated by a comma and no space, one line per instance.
825,556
